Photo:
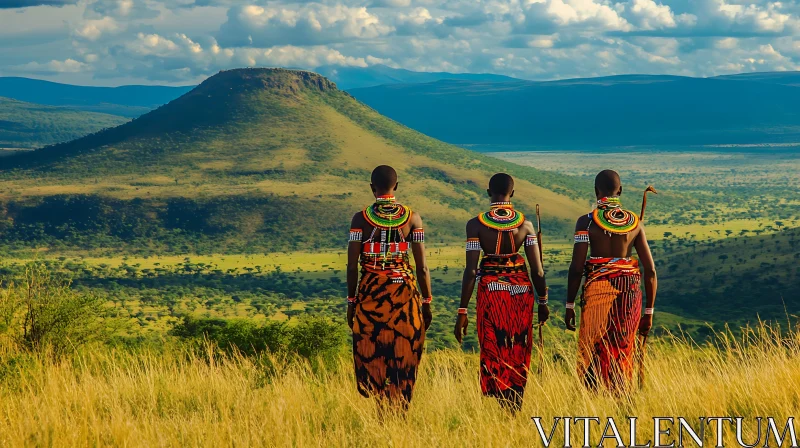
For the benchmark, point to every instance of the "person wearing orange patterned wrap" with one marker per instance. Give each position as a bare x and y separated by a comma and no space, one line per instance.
387,312
611,302
505,302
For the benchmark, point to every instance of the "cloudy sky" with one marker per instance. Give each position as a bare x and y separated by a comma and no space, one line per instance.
112,42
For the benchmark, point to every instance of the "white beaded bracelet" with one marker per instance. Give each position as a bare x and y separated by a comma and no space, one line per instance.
570,305
648,310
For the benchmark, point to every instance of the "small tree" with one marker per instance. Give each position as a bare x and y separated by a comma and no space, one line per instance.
42,312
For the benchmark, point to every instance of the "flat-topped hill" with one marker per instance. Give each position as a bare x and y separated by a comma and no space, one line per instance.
259,153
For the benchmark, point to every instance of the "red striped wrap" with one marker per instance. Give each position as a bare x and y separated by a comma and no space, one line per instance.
505,308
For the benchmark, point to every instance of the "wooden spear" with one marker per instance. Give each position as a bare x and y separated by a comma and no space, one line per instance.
643,338
541,260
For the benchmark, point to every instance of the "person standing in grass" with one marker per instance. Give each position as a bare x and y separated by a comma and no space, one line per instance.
386,310
505,300
611,302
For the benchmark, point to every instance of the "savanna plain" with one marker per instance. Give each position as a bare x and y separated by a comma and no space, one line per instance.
225,347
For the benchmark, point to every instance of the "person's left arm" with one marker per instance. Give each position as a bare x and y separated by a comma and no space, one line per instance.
650,280
423,273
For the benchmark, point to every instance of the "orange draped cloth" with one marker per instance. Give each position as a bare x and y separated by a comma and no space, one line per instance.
611,308
388,330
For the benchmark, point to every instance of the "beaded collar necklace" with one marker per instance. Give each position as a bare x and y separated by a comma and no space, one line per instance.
386,213
609,202
612,218
502,217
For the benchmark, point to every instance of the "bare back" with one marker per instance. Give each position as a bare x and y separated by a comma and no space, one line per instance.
360,222
612,245
489,238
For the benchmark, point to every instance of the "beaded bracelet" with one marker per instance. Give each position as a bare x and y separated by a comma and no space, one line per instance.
462,311
649,310
570,305
351,300
427,300
543,299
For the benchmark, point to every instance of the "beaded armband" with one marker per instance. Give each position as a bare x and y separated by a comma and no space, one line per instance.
351,300
531,240
462,311
418,236
473,244
648,310
355,235
582,236
427,300
570,305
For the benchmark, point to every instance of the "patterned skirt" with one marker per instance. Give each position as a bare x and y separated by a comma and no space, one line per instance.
611,309
505,324
388,333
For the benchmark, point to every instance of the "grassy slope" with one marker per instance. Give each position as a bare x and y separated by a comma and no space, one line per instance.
289,136
171,398
26,125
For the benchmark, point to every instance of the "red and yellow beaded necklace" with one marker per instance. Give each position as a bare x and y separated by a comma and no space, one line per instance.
612,218
502,217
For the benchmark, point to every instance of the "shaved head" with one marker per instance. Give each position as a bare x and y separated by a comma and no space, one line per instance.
607,183
501,184
384,178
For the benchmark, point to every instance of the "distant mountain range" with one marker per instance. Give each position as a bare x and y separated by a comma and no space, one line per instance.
27,125
357,77
490,109
126,101
613,111
132,101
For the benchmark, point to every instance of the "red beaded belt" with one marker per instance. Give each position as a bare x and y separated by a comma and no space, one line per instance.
382,248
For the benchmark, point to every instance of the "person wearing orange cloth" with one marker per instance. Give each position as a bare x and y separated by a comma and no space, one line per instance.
611,302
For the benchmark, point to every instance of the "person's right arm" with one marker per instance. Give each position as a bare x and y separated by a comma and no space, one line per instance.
423,273
468,279
579,252
650,278
353,254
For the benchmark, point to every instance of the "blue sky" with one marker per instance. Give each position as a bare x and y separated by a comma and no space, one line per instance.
112,42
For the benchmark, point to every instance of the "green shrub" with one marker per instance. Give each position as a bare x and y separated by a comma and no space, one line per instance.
42,313
313,338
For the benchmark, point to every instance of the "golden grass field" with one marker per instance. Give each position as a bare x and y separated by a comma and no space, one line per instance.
180,398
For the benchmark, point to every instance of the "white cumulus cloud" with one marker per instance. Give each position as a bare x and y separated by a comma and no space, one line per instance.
312,24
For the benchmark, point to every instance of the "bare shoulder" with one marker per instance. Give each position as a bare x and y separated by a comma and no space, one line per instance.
357,221
416,220
583,222
473,224
640,231
528,227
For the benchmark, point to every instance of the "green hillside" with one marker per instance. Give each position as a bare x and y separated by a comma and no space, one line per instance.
26,125
735,278
252,159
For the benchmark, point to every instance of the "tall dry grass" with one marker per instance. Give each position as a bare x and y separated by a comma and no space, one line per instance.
105,397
